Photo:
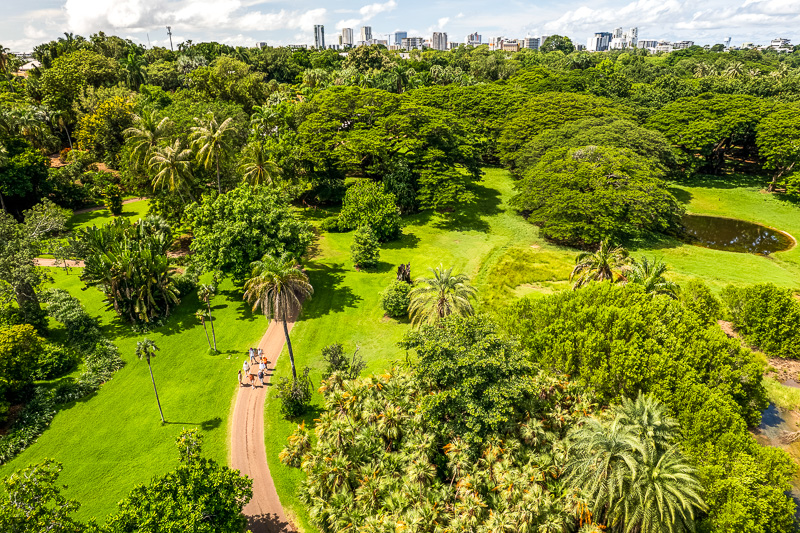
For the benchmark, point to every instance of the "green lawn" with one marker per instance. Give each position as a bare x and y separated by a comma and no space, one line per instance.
114,439
133,210
506,259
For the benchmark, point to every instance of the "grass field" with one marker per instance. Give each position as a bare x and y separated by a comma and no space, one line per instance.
113,440
132,210
506,259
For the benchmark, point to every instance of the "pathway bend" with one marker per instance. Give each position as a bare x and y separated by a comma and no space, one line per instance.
264,511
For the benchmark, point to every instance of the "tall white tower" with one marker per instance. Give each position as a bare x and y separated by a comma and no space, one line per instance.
319,36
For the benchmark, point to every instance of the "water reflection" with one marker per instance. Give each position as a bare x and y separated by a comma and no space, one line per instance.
734,235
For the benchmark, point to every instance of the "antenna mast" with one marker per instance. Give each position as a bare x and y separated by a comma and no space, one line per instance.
169,32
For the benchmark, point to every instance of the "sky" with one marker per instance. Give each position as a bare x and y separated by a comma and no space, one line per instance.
25,23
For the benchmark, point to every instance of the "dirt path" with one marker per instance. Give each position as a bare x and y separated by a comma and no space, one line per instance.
264,512
57,263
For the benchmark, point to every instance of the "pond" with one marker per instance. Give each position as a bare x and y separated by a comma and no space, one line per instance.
734,235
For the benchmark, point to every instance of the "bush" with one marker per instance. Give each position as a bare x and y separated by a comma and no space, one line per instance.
365,250
767,317
696,296
395,300
295,396
185,283
112,197
333,354
330,224
366,204
55,361
82,329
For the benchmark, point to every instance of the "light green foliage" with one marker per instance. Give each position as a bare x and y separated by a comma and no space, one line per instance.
649,274
475,378
20,347
606,264
234,229
778,143
70,73
395,299
584,195
128,263
295,394
559,43
366,204
190,445
550,110
229,79
445,294
767,317
697,297
365,251
376,461
31,502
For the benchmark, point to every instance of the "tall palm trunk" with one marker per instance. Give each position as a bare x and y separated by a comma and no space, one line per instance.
2,202
289,345
206,330
155,390
219,187
211,319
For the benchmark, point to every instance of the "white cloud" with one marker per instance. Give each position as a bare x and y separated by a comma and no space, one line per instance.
367,13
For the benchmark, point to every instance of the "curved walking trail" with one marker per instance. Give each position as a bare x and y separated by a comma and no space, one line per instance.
264,512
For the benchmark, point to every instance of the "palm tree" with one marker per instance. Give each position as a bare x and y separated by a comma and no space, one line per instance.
734,70
172,168
205,293
598,266
146,349
201,315
212,142
134,65
256,167
650,275
145,135
444,294
278,287
3,163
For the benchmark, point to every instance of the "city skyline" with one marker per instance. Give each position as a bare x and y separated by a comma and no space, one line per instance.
245,22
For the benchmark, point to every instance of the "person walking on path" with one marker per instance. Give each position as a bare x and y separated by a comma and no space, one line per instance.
252,380
253,355
261,377
245,367
240,378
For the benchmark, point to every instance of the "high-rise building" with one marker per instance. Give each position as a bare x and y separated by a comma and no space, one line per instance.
599,42
319,36
632,37
439,40
473,39
411,43
617,33
649,44
347,36
398,37
366,33
681,45
496,43
531,42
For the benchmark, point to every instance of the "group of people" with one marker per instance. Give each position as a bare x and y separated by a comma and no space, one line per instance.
257,357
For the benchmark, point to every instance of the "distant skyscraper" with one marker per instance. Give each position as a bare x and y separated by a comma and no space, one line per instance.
473,39
319,36
347,36
632,37
366,33
410,43
439,41
399,36
531,42
599,42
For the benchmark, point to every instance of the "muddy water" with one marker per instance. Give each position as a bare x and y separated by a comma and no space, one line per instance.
734,235
774,423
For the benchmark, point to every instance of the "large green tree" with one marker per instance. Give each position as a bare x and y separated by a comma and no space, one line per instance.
778,141
234,229
213,143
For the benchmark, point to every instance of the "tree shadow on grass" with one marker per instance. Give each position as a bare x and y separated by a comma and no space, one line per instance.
407,240
333,295
725,181
207,425
471,218
682,195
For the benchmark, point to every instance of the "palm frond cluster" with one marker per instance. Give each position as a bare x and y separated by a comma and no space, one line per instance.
128,263
377,466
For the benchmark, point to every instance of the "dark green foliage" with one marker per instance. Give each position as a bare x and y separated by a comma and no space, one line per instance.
697,297
365,250
234,229
767,317
23,180
112,196
402,183
476,378
333,354
559,43
55,361
82,329
395,300
185,283
366,204
31,502
581,196
20,347
295,395
330,224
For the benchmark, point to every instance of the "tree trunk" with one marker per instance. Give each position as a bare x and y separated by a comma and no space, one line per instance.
27,300
206,330
289,345
211,319
2,202
219,187
69,139
155,390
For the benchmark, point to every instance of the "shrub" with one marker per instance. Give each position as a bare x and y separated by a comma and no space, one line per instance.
333,354
366,204
330,224
395,300
696,296
112,197
82,329
767,317
365,250
185,283
295,396
55,361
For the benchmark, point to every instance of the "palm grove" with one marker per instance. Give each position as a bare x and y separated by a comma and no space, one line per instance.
484,431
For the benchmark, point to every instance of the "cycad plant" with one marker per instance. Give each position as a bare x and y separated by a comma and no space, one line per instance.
649,273
439,296
601,265
277,287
